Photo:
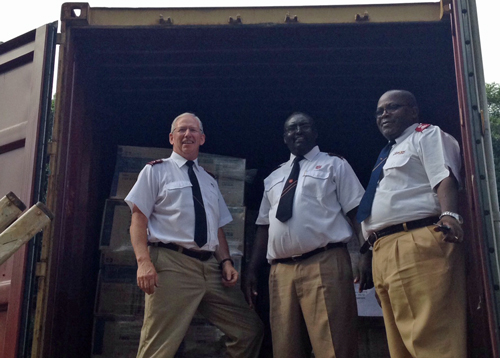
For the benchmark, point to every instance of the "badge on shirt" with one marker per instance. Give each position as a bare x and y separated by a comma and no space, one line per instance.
421,127
318,166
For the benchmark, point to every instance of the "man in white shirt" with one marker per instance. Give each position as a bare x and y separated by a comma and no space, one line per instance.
413,226
178,211
302,227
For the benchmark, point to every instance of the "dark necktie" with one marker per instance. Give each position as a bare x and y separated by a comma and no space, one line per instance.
285,205
200,217
365,206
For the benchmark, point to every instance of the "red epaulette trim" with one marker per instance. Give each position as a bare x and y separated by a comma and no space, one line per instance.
336,155
421,127
157,161
211,174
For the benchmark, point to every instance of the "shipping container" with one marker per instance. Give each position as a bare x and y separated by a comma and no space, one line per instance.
124,74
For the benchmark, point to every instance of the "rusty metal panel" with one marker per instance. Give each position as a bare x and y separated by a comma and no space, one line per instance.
22,82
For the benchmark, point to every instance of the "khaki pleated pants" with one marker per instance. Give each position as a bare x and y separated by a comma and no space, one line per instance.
313,306
186,285
420,280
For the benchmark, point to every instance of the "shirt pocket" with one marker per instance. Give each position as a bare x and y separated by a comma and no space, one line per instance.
210,193
397,161
274,190
178,192
315,183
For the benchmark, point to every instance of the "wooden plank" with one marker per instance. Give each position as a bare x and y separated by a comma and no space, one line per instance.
23,229
10,208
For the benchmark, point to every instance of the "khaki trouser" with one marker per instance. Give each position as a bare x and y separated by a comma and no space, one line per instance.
185,285
420,280
313,303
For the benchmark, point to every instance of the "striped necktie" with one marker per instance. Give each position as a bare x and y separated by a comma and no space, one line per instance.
285,205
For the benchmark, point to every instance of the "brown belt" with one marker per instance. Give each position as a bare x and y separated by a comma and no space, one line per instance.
407,226
310,253
200,255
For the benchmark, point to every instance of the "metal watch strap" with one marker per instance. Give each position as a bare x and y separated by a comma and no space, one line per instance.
455,216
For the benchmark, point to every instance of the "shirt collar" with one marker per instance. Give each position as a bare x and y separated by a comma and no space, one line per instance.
309,155
406,133
180,160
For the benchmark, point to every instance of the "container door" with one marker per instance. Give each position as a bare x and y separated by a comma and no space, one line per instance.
482,216
26,68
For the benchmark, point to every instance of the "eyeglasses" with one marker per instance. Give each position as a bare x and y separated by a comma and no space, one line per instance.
390,108
183,130
295,127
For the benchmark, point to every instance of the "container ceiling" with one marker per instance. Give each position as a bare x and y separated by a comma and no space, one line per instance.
243,81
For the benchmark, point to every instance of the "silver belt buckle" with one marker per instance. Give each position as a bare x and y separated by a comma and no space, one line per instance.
376,238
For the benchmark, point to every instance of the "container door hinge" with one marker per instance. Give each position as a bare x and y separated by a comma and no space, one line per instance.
41,269
51,148
60,39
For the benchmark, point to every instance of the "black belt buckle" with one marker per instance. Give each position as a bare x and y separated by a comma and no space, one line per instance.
296,258
369,242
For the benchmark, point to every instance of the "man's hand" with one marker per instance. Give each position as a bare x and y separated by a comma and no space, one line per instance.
250,288
447,192
229,274
147,278
451,229
364,276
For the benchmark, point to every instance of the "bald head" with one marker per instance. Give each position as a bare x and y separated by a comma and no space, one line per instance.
396,111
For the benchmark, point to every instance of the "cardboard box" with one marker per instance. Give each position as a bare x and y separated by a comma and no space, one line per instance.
118,293
121,258
235,231
129,162
116,337
115,228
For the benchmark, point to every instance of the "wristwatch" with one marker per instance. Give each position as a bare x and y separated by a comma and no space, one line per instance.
455,216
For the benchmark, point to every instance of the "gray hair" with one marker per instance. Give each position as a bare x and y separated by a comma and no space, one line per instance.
172,127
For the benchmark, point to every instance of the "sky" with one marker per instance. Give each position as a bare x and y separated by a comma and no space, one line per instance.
18,17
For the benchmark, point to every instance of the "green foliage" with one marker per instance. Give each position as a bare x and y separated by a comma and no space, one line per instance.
493,96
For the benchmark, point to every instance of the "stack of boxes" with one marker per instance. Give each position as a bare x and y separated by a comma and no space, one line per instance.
119,302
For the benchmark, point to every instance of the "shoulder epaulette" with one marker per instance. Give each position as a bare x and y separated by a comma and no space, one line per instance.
211,174
279,166
157,161
336,155
421,127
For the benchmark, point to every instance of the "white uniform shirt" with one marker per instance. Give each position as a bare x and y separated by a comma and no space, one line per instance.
327,189
163,193
420,160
